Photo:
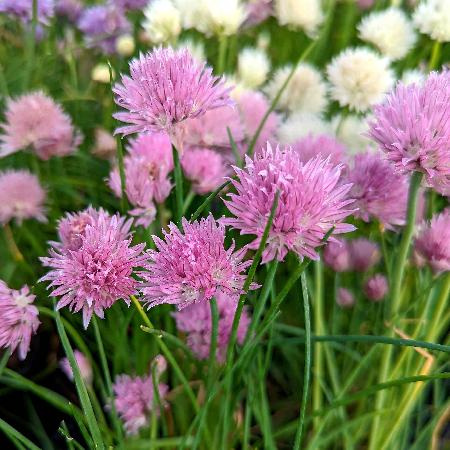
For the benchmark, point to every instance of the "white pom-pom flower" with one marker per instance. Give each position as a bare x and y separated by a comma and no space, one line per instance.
301,124
432,17
351,130
359,78
253,67
304,14
162,21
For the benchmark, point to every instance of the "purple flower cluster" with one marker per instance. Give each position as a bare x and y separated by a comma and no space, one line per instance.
23,9
322,144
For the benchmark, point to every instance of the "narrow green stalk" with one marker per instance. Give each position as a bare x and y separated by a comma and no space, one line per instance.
11,432
223,43
208,200
4,91
435,55
107,376
187,202
79,383
4,360
307,370
395,297
178,185
158,401
30,46
439,310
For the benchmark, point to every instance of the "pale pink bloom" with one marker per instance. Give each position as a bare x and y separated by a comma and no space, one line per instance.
364,254
313,145
257,11
311,202
23,9
337,256
135,400
379,192
83,364
105,144
192,265
412,126
432,245
97,269
36,121
345,298
195,321
252,106
204,168
21,197
376,287
210,130
18,319
167,87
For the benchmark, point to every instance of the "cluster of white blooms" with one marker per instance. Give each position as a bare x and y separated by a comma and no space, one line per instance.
304,14
390,31
432,17
359,78
253,67
195,47
352,131
299,125
413,76
162,23
306,90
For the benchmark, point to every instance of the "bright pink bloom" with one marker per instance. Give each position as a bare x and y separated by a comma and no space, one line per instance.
432,245
35,120
379,191
252,106
311,202
412,126
337,256
193,266
83,364
364,254
134,400
345,298
314,145
18,319
204,168
167,87
376,287
21,197
195,321
97,269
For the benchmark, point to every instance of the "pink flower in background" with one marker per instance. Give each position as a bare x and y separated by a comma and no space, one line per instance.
35,120
192,265
337,256
18,319
311,202
23,9
102,25
432,245
364,254
70,9
99,272
21,197
134,400
204,168
195,321
258,11
210,130
129,5
167,87
376,287
105,144
345,298
412,126
83,364
379,192
252,106
314,145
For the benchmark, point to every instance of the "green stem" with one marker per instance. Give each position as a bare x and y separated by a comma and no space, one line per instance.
4,360
178,185
307,370
30,47
208,200
223,42
435,55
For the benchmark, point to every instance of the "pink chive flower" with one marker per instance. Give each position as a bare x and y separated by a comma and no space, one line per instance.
257,12
167,87
23,9
376,287
102,25
70,9
36,121
18,319
129,5
105,146
204,168
311,202
313,145
134,400
21,197
336,255
379,192
97,269
83,364
192,265
252,106
210,130
195,321
432,245
412,127
345,298
364,254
